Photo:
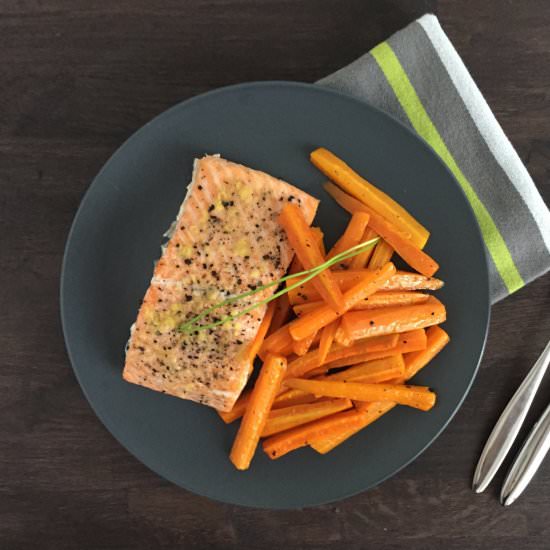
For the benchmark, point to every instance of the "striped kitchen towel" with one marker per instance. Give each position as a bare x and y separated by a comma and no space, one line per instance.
418,77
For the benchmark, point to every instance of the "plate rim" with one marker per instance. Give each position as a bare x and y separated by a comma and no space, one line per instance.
167,113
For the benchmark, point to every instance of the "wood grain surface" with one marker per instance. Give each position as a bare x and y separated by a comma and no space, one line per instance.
77,78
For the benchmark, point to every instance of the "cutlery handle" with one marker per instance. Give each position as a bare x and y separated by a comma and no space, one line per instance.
506,429
528,460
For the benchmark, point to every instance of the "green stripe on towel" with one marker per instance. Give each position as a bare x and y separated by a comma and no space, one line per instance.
421,122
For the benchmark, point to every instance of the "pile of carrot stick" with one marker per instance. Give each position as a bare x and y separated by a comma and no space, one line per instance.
338,349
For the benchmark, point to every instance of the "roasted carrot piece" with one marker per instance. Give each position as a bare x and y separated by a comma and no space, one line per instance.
260,335
286,418
238,408
400,242
352,236
327,337
292,397
280,314
402,281
353,184
278,342
301,309
319,239
372,322
368,416
382,253
437,339
381,298
289,440
302,365
315,320
385,298
257,411
413,340
362,260
412,396
372,372
301,347
306,248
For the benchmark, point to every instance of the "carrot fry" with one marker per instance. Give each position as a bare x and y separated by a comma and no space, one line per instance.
400,242
370,415
413,340
305,246
382,298
327,337
372,372
238,408
382,254
257,411
302,365
315,320
412,396
351,237
296,415
260,335
301,347
319,239
292,397
285,398
372,322
280,315
278,342
306,307
353,184
402,281
362,260
289,440
437,339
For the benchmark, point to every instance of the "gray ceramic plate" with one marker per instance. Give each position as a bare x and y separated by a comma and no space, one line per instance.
115,238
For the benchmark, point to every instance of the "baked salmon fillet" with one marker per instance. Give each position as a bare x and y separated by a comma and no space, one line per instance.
225,241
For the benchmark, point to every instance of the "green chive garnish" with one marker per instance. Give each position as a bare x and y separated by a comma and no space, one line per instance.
192,326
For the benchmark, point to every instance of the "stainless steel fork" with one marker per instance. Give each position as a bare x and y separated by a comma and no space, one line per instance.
505,432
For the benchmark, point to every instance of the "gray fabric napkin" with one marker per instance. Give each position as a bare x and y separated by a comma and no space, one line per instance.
419,78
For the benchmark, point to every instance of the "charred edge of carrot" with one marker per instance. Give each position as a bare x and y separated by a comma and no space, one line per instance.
254,419
403,246
305,246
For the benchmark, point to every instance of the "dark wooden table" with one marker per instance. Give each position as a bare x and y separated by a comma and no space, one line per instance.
77,78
